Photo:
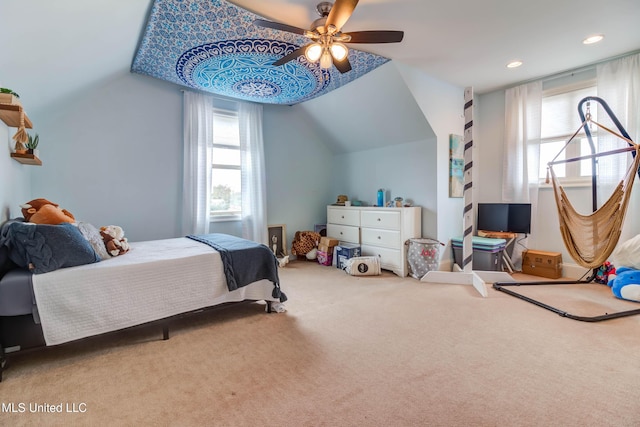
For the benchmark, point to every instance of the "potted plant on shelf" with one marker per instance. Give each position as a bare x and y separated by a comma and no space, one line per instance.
32,144
7,96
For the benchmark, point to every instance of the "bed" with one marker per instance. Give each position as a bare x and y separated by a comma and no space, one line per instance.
54,288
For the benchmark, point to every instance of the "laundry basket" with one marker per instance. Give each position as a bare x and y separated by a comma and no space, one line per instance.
423,256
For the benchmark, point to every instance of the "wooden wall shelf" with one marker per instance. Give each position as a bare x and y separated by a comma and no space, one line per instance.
10,114
27,159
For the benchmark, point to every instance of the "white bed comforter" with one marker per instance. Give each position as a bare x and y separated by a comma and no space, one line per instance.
154,280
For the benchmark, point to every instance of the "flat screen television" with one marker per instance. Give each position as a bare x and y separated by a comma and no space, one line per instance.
509,217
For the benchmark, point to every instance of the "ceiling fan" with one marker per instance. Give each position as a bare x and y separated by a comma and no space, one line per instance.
327,45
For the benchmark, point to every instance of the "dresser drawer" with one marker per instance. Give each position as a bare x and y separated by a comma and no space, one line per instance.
344,233
379,237
380,219
390,259
343,216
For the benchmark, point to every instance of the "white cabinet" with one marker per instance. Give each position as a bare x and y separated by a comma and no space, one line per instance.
380,232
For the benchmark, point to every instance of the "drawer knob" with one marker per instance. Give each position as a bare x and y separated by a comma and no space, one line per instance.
378,219
341,233
342,216
379,237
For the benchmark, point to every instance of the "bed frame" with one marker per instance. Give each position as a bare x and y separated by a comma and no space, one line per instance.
21,334
242,263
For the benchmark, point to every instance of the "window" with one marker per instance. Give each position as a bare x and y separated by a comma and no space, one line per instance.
226,186
560,119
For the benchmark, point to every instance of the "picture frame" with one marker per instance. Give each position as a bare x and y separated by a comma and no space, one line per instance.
278,239
456,165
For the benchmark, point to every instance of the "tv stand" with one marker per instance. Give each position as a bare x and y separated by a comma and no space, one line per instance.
509,237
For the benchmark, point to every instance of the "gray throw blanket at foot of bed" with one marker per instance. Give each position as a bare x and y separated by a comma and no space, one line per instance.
244,261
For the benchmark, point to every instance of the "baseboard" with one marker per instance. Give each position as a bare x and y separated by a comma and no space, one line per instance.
575,271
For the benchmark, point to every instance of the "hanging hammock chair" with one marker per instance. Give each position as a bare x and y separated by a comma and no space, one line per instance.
590,239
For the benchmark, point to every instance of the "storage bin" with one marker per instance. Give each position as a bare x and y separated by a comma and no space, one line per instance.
423,256
482,260
487,253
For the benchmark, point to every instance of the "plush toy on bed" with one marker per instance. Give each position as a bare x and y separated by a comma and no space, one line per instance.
43,211
626,284
114,240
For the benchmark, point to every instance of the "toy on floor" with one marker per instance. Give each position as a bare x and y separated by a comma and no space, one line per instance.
625,284
604,271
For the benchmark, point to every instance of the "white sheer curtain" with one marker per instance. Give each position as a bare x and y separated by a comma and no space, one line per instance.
254,193
196,184
523,112
618,84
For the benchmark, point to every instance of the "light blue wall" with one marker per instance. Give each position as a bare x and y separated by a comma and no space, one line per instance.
545,228
112,155
299,169
15,178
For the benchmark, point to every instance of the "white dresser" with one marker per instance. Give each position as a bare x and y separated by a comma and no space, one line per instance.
379,231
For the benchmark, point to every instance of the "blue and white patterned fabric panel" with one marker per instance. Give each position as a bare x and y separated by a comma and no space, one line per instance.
214,46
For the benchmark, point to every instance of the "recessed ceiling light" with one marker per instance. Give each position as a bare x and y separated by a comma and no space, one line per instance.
514,64
593,39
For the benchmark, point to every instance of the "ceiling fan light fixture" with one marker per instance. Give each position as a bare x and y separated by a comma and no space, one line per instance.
313,52
326,60
339,51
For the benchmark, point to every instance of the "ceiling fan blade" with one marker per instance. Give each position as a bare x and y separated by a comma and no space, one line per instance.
376,36
343,66
290,57
341,12
278,26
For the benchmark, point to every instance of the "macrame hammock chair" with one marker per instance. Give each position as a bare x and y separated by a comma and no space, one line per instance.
590,239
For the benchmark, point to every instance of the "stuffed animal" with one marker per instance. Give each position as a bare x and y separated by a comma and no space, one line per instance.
43,211
304,242
626,284
114,240
604,272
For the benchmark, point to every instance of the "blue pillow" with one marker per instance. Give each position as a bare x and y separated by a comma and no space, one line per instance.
43,248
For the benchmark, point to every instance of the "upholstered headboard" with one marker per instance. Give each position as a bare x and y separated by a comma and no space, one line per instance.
5,262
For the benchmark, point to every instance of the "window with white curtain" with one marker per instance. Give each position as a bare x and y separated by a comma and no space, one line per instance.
226,187
559,121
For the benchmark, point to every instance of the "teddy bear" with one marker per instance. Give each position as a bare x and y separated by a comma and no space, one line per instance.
114,240
625,284
43,211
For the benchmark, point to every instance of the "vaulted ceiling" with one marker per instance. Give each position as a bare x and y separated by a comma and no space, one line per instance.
58,47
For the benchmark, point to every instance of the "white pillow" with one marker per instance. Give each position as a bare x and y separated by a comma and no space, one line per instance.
627,254
92,234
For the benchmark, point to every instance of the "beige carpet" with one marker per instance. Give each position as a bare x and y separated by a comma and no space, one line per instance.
349,351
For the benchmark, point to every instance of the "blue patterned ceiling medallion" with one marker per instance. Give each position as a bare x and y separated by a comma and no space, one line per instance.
242,69
212,45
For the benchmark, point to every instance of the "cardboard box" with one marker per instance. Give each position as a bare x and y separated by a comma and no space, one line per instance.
344,251
329,242
325,248
325,258
543,264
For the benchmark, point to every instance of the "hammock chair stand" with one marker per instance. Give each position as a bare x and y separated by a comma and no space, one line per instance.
503,286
